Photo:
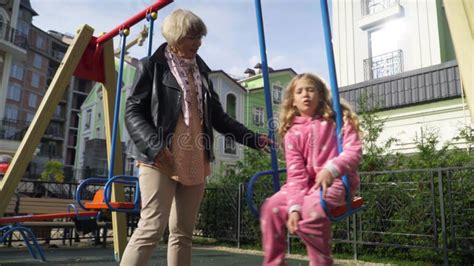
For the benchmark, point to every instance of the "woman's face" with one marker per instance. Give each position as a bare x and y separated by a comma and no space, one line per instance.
189,46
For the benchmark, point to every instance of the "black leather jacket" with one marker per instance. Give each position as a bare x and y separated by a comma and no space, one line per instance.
152,110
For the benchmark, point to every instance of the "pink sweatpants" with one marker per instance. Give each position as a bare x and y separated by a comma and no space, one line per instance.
314,229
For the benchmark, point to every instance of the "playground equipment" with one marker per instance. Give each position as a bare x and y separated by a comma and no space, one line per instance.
14,223
460,15
90,58
352,205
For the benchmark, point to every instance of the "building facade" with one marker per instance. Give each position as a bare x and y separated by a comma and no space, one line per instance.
233,98
90,149
24,81
399,54
15,21
255,113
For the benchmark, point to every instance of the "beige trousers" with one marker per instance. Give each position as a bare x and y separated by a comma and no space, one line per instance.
163,200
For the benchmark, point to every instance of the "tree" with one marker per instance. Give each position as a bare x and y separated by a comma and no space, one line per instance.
53,171
376,155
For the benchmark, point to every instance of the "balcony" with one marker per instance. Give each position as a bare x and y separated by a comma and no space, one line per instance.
13,129
383,65
13,41
374,6
377,12
57,55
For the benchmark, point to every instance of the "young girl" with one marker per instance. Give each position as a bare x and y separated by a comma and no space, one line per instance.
308,130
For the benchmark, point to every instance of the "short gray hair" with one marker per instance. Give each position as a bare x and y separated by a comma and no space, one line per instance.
181,23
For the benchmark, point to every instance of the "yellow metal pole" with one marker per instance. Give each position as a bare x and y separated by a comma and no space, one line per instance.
51,99
460,14
119,223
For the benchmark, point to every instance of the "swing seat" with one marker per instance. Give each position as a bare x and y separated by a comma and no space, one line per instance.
357,202
98,203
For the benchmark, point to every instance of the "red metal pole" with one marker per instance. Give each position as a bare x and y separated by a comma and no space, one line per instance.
133,20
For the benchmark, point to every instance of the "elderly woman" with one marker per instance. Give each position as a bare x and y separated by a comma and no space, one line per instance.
170,116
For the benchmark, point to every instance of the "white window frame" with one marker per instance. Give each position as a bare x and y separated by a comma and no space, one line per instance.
277,92
88,119
229,145
258,117
227,105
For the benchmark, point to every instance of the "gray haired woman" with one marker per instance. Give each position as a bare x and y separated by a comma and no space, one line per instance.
170,116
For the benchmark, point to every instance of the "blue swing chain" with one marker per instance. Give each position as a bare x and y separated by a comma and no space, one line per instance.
266,88
123,38
336,102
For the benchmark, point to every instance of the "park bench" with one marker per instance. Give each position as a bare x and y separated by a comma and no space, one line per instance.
20,206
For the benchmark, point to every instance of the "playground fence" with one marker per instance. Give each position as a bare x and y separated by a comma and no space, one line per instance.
424,213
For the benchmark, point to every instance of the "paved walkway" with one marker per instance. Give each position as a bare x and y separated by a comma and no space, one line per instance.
202,256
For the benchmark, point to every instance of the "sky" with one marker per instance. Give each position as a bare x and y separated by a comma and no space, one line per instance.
293,29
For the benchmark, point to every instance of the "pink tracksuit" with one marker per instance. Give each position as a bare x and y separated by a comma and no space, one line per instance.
310,145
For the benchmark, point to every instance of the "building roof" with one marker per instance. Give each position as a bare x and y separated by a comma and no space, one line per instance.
258,76
228,77
429,84
27,5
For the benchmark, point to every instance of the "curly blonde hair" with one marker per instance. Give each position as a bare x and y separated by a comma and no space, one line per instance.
288,111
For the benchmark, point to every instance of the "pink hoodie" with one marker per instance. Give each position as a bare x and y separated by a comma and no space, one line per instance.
310,145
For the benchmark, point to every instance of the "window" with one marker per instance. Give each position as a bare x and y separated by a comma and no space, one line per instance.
14,92
229,145
275,116
88,118
57,111
386,58
3,26
38,61
35,80
23,27
230,169
231,105
32,100
11,113
258,116
276,93
29,117
374,6
39,42
17,71
52,149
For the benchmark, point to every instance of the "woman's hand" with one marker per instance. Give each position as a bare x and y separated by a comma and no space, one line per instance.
324,178
292,223
264,142
164,159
